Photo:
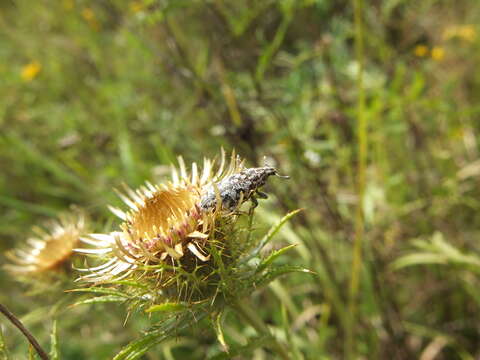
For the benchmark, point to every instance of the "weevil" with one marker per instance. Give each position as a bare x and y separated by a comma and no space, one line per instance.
238,188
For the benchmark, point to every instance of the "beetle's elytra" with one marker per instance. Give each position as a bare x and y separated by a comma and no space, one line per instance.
238,188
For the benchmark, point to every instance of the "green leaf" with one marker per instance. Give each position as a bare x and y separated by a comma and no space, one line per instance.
271,233
137,348
418,259
3,347
31,352
26,206
437,251
48,163
273,46
100,290
217,325
268,260
129,283
275,272
166,307
253,344
54,342
101,299
239,21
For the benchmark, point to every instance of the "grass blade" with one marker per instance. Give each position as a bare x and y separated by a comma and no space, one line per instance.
54,352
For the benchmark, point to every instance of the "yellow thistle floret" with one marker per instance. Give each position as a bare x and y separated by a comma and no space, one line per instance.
49,248
163,223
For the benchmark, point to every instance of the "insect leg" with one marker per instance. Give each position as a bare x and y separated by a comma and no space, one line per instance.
254,201
261,195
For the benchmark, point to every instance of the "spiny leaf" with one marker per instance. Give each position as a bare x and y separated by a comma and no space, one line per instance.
100,290
137,348
271,233
275,272
217,325
101,299
129,283
268,260
166,307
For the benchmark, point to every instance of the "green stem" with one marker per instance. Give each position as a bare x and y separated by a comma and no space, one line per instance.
361,170
244,309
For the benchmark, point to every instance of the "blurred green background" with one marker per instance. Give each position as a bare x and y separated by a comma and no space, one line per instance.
93,94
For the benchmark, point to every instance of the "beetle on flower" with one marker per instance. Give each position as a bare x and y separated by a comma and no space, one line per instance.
166,222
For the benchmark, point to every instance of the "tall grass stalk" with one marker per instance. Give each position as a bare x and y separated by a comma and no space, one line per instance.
362,137
245,311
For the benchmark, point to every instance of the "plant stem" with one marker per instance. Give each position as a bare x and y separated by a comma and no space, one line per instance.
361,169
15,321
244,309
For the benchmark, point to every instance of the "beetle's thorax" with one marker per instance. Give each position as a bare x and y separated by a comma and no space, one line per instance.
253,178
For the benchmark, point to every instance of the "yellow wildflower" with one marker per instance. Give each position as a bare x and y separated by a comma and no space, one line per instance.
89,15
464,32
136,6
438,53
421,50
30,71
467,32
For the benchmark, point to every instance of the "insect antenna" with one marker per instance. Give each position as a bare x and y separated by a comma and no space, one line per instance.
265,163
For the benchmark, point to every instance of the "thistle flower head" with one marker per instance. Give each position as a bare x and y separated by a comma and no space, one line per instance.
49,248
162,224
184,249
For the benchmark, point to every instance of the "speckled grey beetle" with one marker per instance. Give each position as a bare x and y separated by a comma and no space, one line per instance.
238,188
